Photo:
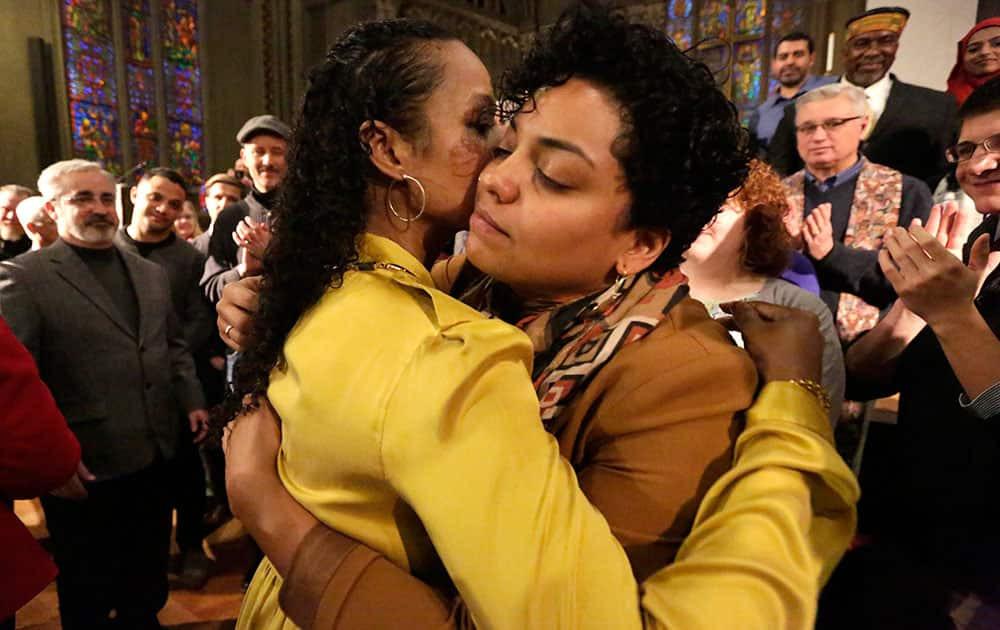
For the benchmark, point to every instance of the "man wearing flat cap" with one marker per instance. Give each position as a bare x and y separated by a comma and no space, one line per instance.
240,232
910,125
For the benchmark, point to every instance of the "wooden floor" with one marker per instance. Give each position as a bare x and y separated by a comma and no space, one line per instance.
214,607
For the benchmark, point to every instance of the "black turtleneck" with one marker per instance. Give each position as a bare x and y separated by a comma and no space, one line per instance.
109,269
266,200
144,248
257,206
9,249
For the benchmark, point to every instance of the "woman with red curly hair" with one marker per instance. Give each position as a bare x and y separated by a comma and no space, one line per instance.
741,255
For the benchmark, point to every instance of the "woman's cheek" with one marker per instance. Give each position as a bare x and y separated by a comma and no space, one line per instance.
468,156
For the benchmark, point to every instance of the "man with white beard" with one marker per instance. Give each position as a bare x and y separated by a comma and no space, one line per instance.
100,325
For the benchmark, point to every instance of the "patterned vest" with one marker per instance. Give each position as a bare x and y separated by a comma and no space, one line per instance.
878,196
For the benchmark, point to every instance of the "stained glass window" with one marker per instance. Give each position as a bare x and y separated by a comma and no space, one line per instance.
680,22
734,39
713,22
182,78
185,144
748,76
143,116
158,109
786,16
749,16
90,80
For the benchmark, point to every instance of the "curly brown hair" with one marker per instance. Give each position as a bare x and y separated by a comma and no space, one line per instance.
767,246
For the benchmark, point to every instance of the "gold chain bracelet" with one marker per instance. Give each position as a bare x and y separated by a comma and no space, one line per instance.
816,390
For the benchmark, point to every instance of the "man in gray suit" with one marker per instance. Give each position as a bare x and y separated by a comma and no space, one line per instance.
100,325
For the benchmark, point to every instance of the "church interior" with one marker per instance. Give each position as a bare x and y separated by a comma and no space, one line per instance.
134,84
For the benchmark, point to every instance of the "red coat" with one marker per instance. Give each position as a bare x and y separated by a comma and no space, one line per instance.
38,453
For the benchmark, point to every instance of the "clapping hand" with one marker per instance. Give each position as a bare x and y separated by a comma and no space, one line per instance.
818,231
924,270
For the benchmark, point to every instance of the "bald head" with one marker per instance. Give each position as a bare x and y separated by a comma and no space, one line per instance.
36,222
10,196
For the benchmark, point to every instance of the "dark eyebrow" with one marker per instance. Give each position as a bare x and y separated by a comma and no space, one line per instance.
562,145
555,143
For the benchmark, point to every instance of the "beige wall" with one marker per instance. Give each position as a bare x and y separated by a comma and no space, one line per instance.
927,47
231,77
20,20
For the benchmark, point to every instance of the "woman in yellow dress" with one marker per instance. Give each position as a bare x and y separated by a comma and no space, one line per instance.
408,422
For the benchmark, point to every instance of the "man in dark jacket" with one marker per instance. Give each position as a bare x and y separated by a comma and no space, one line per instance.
912,125
157,200
101,327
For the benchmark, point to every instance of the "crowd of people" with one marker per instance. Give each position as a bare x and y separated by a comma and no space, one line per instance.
569,351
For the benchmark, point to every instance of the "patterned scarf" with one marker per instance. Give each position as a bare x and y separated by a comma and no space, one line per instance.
574,340
878,197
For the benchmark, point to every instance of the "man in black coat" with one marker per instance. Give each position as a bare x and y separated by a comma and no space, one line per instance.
157,201
912,125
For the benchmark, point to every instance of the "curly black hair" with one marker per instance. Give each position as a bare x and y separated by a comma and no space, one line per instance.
681,145
376,71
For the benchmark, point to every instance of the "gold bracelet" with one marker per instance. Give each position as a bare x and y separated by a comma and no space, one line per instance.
816,390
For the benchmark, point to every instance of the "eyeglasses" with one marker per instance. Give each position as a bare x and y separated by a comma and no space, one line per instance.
965,150
87,198
859,44
830,124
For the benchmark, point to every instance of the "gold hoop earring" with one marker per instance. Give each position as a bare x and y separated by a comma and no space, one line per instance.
423,199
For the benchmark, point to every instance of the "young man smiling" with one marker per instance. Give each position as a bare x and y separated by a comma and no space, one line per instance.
929,484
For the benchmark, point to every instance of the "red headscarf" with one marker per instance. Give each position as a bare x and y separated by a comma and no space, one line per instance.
960,83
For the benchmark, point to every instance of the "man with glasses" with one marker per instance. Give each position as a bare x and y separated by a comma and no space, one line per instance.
841,203
791,64
99,323
929,483
910,125
13,240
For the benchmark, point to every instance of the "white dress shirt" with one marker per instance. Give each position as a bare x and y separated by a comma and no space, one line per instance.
877,94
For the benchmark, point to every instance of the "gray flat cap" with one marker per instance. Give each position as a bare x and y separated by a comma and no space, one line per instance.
265,123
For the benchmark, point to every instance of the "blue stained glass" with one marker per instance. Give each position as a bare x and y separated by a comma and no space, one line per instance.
183,100
89,69
680,9
95,133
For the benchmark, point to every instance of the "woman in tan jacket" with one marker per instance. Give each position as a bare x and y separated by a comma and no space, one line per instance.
640,387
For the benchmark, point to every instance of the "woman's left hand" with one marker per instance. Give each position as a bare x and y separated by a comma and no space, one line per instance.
251,444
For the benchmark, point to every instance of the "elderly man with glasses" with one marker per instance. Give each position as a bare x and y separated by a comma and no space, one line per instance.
910,125
842,204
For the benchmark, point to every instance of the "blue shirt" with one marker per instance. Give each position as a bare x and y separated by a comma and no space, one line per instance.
766,117
832,182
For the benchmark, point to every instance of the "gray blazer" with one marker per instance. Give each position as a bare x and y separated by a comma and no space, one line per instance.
121,394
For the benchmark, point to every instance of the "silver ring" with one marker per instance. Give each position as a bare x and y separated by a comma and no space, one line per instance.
226,331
